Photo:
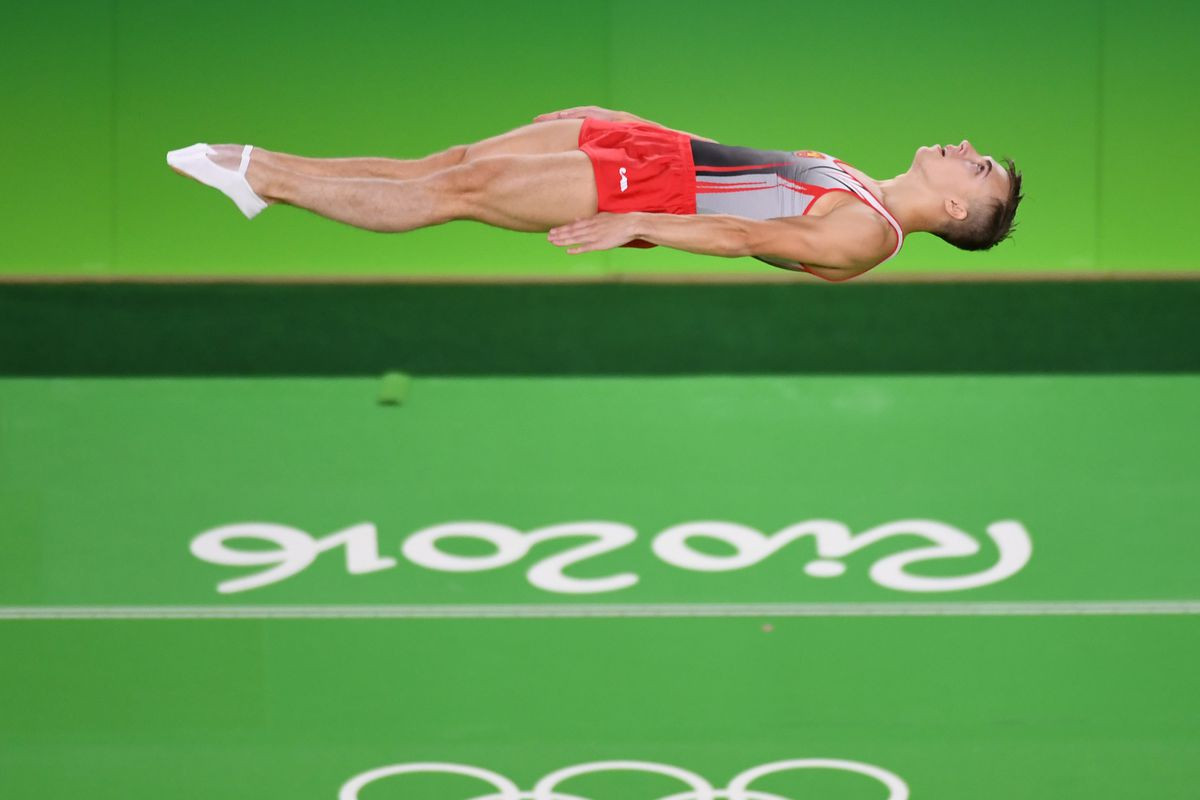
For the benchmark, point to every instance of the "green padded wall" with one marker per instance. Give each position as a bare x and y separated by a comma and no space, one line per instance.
1089,96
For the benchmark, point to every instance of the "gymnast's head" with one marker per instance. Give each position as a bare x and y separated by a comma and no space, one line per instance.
974,197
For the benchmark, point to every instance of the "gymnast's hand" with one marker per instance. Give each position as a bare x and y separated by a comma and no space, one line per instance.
601,232
581,112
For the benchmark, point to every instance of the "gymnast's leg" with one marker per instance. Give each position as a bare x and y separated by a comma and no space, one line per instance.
551,136
517,192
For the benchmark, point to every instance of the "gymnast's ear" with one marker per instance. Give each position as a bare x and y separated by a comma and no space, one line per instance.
955,208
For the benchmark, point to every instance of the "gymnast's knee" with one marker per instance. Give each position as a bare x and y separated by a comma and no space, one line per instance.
458,154
463,189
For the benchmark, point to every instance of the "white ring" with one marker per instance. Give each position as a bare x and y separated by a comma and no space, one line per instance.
701,788
508,789
897,789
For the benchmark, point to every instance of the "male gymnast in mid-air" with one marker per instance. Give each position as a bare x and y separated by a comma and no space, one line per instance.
596,179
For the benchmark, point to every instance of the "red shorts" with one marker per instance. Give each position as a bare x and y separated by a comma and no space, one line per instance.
640,167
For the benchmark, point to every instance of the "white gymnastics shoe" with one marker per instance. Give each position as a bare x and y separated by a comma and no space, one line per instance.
194,162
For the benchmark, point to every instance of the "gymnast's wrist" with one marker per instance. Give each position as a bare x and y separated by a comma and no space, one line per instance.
641,224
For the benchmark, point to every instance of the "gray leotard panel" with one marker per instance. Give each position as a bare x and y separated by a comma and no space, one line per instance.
766,184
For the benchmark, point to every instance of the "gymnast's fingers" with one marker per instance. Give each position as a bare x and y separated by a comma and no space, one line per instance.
575,228
568,241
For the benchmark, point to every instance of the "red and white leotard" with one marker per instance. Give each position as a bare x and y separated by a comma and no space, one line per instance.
643,167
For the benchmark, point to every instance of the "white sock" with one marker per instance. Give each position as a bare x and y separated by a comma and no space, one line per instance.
194,161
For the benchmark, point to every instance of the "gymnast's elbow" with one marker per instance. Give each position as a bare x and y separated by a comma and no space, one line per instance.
742,238
733,247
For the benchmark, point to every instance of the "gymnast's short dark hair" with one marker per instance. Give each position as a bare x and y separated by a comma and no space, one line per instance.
985,231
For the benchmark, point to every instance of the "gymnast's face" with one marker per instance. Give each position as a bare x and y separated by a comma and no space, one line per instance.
961,176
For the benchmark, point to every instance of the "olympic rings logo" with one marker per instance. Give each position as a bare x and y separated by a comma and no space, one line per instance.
501,788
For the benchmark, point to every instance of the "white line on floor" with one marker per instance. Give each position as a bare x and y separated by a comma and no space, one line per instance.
610,610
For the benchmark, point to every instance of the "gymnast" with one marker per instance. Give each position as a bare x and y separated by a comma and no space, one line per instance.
593,179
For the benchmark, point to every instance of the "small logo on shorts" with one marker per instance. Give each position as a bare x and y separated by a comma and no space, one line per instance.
624,180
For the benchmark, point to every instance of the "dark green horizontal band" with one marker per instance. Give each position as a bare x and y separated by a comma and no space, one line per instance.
597,328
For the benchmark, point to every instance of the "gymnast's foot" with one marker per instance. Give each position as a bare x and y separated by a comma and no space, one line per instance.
227,167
